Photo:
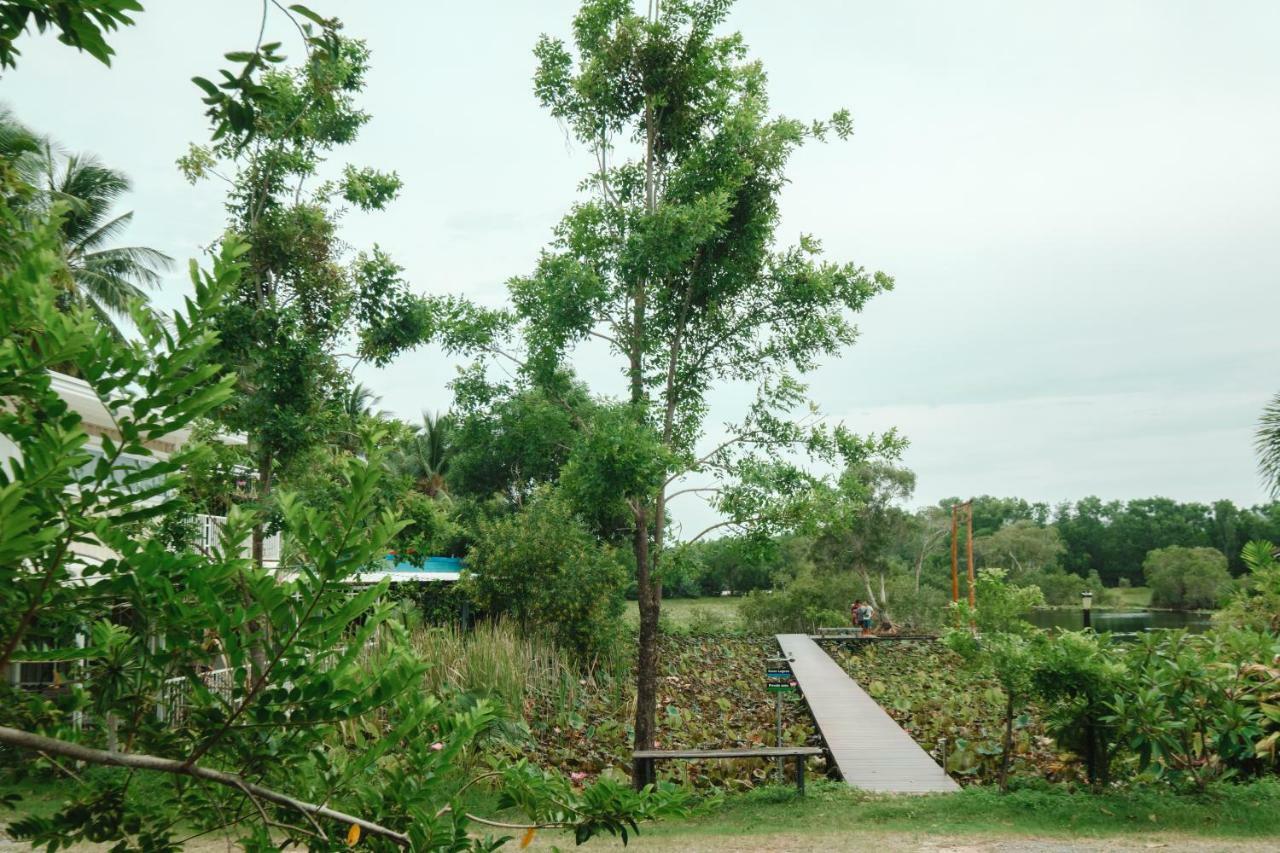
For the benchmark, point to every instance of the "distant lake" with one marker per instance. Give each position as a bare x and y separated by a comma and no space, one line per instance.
1122,621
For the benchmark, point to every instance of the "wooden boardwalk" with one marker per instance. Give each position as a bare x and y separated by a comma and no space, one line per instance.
871,751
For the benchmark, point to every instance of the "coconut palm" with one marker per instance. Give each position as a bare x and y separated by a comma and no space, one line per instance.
102,277
1268,445
358,401
424,456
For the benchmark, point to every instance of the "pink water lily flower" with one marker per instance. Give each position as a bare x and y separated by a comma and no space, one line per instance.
437,746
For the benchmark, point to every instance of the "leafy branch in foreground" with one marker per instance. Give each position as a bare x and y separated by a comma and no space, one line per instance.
274,705
82,24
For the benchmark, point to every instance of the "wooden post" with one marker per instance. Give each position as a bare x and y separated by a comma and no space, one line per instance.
969,547
800,774
955,554
777,704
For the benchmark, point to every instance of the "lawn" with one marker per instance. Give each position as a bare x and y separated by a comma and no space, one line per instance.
715,611
834,816
1136,596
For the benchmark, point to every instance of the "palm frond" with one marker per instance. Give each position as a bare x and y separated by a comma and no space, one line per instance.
16,141
1267,442
101,234
135,264
104,290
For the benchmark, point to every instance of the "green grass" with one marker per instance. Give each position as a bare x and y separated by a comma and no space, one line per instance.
1240,811
1226,811
1137,596
689,612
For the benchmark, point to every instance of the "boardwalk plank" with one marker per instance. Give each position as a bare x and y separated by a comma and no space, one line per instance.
871,751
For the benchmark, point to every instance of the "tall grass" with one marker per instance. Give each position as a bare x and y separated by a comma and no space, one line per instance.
521,671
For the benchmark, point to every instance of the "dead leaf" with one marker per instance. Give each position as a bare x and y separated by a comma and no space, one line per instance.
353,835
528,837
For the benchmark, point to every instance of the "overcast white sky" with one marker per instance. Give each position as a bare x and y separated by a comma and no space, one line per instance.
1079,202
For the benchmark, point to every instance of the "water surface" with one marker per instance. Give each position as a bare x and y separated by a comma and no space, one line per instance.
1122,621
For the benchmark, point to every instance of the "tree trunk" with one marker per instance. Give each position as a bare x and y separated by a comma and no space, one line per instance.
647,651
264,491
257,631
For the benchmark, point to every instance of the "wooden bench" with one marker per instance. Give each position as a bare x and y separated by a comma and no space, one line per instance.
647,758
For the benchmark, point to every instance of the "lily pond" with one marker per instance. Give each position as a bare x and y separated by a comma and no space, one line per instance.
1123,621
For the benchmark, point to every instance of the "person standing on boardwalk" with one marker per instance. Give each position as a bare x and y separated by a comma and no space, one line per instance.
865,614
855,613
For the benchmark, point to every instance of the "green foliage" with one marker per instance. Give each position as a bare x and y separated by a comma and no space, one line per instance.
940,696
81,192
544,568
1012,660
671,260
1187,707
808,602
1023,546
712,696
297,705
1001,606
1257,604
1077,676
1267,442
305,296
511,440
82,24
1187,578
735,563
862,519
424,455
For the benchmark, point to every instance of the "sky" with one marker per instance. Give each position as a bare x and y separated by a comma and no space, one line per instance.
1079,203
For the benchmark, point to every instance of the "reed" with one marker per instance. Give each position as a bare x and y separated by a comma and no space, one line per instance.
521,671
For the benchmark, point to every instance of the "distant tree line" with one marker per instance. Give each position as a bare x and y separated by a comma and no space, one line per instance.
1073,541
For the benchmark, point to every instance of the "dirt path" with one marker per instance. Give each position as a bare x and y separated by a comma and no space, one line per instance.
899,842
862,842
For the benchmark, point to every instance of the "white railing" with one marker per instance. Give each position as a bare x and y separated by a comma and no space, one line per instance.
209,533
173,703
175,693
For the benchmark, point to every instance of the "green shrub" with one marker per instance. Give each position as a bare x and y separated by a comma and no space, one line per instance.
1186,707
1256,604
808,602
1001,605
544,569
1187,578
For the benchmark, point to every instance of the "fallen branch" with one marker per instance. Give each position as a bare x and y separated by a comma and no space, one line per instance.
136,761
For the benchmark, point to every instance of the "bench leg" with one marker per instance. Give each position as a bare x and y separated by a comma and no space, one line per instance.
644,772
800,774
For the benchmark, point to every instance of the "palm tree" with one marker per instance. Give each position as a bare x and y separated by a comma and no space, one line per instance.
424,456
358,401
1267,441
102,277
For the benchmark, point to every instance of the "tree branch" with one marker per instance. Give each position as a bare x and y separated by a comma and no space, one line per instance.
677,494
707,530
137,761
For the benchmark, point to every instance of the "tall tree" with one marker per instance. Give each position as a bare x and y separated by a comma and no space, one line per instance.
1021,547
304,297
424,455
104,277
670,262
